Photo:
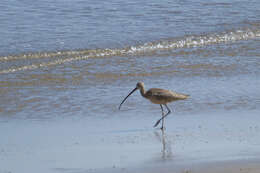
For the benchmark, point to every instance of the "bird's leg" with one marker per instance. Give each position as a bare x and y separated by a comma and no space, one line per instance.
169,111
162,128
156,124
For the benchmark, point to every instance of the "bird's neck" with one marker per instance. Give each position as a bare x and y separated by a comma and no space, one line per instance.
142,91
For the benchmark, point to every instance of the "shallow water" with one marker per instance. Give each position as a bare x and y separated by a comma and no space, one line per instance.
80,57
222,76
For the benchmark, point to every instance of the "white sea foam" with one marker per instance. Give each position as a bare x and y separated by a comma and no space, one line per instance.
61,57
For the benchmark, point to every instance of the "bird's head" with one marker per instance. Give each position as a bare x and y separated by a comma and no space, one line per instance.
140,85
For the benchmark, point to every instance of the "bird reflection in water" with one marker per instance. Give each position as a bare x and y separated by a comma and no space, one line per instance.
166,144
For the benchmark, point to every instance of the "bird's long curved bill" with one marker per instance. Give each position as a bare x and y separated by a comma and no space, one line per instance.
127,97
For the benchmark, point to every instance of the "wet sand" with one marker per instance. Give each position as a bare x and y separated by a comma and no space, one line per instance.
237,166
227,141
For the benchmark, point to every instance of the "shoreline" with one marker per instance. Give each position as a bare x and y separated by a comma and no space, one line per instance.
231,166
191,144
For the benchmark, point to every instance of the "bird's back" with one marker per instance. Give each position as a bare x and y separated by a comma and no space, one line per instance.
162,96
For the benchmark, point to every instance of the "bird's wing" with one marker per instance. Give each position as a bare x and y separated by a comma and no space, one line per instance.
162,94
157,92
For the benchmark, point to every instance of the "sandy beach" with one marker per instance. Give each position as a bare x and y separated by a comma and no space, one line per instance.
237,166
204,143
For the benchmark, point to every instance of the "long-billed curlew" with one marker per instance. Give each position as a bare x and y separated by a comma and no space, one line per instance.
157,96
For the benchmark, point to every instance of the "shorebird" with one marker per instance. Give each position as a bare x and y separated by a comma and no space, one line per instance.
157,96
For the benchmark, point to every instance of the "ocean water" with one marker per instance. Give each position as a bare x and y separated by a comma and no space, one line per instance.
80,58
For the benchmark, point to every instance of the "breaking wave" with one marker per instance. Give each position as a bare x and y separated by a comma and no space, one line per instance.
61,57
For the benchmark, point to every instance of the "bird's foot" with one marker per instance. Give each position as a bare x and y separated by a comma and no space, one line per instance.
162,128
